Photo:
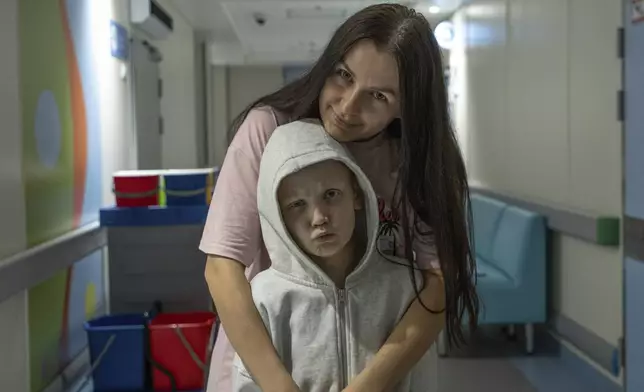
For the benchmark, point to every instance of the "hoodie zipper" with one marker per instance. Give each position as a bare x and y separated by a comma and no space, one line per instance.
344,366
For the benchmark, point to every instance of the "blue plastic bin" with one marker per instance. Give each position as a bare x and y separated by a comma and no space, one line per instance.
123,365
189,187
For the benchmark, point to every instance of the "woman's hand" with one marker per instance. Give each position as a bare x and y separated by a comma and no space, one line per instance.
409,341
288,387
244,326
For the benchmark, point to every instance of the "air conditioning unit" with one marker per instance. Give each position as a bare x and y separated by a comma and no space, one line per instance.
151,18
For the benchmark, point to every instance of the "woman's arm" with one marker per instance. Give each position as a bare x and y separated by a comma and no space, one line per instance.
243,325
232,233
409,341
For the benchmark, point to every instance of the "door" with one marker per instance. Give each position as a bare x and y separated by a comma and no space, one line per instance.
292,73
147,104
634,196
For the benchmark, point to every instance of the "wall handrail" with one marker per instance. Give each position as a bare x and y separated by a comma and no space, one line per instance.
26,269
594,228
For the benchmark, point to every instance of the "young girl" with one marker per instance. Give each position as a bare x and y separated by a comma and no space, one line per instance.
331,296
379,89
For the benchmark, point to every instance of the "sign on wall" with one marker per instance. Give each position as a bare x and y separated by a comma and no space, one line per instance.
119,41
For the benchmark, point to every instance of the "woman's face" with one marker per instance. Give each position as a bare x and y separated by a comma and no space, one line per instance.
361,97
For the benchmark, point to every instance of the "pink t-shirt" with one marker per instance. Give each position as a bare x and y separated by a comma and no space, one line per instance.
232,228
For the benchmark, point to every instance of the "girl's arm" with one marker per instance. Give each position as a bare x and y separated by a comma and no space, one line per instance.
243,325
409,341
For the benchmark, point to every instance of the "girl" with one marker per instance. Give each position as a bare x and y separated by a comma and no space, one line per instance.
331,296
378,88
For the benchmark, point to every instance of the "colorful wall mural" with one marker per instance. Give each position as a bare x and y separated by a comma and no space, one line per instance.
61,169
60,114
58,308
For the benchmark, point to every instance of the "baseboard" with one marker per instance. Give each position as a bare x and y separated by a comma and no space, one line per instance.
561,367
577,362
596,348
72,374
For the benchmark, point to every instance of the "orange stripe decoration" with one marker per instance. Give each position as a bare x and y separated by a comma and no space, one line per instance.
79,118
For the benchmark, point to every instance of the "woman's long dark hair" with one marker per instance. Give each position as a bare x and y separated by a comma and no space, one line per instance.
432,176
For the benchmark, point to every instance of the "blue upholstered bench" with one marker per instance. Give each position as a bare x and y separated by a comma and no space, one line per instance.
510,247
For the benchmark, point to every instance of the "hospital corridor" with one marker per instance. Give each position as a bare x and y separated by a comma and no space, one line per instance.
131,145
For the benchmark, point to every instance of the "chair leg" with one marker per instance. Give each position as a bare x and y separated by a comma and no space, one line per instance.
529,338
511,330
442,344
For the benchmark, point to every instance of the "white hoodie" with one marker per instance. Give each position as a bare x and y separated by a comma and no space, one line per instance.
325,335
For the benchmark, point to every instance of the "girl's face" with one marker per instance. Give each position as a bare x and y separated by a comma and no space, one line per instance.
361,97
318,206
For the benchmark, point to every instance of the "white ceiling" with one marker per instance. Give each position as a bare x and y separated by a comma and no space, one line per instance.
294,30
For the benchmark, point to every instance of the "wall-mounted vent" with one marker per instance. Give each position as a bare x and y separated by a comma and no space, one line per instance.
151,18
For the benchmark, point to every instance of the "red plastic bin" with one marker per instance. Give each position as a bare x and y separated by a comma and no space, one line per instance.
179,343
136,188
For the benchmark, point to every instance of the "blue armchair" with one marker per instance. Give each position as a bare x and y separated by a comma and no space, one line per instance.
510,248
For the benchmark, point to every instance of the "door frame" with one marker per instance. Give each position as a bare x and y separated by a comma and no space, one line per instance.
632,227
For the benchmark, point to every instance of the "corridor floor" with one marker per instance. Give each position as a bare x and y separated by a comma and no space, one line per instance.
494,363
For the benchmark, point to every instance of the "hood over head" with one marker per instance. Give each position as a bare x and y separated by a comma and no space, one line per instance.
293,147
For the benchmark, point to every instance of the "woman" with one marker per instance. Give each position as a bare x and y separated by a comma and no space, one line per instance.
379,89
